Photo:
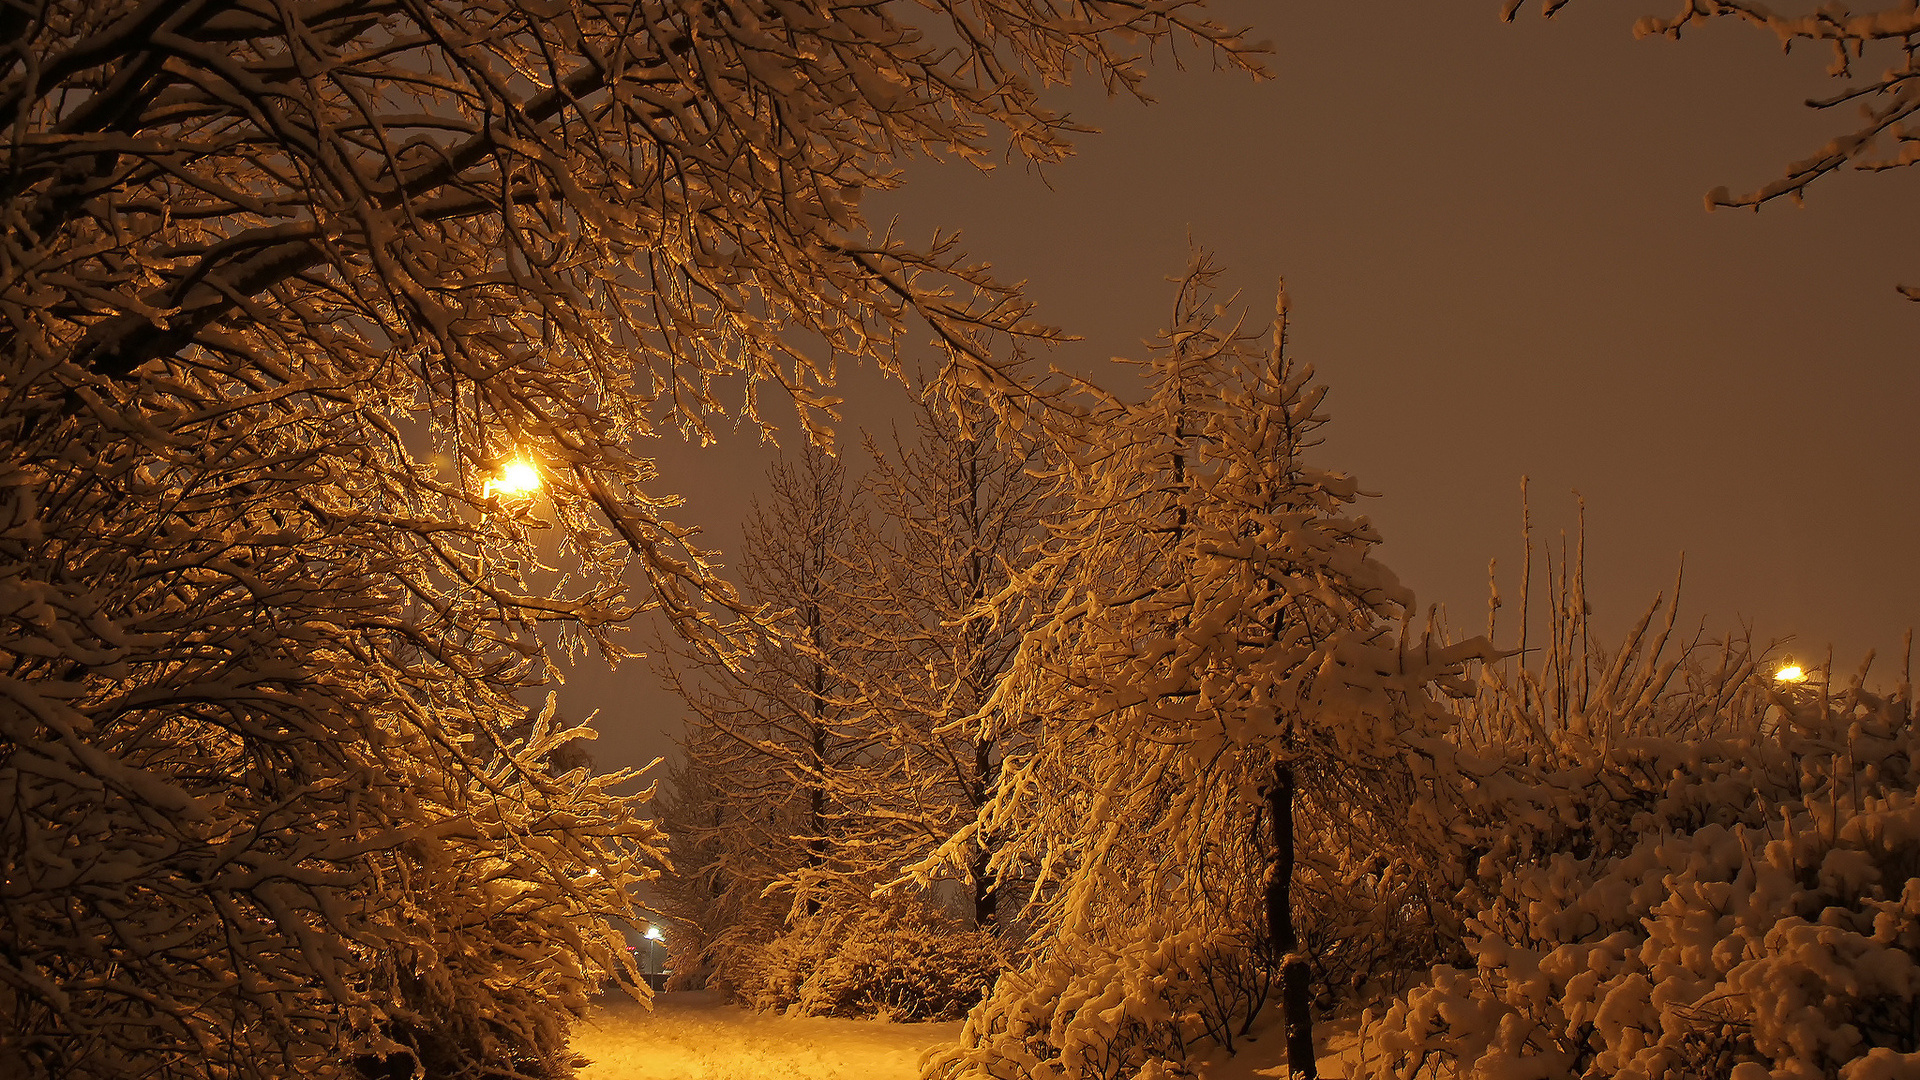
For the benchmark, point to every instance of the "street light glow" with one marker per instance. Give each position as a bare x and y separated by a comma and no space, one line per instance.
1791,673
517,477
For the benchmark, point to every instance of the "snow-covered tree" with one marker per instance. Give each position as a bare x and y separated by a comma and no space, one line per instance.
1216,657
553,223
1883,136
283,285
839,752
776,750
269,801
956,513
714,894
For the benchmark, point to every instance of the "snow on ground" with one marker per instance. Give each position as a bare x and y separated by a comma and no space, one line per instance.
688,1036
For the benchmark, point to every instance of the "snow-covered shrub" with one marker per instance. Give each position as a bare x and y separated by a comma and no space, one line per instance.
1786,949
1367,912
1684,872
910,965
1139,1001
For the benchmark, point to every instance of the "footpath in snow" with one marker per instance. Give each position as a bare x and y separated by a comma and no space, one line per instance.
688,1036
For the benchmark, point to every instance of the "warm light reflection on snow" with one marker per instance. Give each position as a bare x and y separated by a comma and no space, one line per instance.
517,477
1792,673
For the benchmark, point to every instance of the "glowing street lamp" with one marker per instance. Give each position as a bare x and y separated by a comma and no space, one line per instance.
518,477
1790,673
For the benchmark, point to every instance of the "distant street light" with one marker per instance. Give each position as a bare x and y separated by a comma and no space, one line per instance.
1791,673
517,477
654,934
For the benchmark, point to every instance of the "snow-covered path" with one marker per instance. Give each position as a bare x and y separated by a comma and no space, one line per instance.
689,1037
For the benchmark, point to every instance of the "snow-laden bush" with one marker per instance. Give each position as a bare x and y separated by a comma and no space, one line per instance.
1367,908
911,965
1136,1002
1685,871
1782,950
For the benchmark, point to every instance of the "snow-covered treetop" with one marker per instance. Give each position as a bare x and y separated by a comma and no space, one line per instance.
1207,606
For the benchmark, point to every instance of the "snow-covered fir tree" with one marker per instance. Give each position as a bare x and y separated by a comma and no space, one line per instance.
957,512
1216,656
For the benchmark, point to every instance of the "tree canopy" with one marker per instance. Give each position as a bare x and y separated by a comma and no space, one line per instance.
283,285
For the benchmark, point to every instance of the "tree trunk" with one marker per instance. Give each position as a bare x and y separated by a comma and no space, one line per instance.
986,888
1295,1002
986,897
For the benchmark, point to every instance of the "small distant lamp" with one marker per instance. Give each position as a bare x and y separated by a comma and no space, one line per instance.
1790,673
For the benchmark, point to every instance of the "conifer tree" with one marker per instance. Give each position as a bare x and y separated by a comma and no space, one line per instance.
847,749
774,734
1213,644
957,513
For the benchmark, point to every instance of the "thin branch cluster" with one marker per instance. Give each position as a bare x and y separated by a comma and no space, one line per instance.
1885,135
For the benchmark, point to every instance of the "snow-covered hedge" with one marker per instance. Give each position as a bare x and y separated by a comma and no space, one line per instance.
902,966
1133,1004
1651,906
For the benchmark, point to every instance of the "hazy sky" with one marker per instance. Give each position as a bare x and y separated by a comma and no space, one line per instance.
1495,246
